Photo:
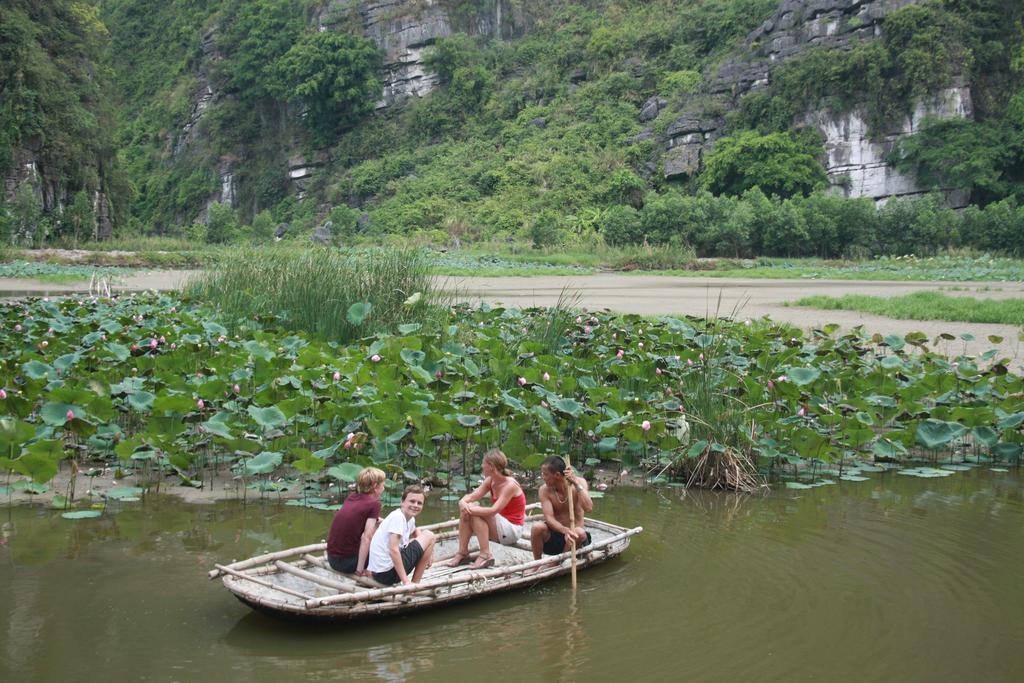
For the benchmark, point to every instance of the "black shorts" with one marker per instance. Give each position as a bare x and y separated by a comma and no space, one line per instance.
556,544
411,554
345,565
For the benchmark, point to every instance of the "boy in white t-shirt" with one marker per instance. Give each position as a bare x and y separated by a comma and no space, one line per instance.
397,545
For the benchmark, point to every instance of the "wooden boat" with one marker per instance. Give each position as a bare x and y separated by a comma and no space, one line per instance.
299,584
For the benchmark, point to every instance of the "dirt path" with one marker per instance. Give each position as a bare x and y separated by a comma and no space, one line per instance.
660,295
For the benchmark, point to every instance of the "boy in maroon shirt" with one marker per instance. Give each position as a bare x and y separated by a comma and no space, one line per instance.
348,543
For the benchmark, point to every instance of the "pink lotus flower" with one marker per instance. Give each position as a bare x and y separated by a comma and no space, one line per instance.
689,362
587,329
640,331
103,337
174,309
546,377
17,328
70,415
544,404
781,378
645,425
3,394
615,335
640,345
348,444
620,354
375,358
700,357
657,371
771,385
337,376
237,389
579,319
350,436
153,343
521,381
135,347
201,404
163,339
221,339
439,374
802,412
49,331
173,346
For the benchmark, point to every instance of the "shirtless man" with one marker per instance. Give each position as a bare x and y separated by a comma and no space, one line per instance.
549,537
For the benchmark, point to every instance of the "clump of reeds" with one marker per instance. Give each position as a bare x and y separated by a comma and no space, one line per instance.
313,289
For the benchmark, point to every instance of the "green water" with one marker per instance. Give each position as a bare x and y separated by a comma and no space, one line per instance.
891,579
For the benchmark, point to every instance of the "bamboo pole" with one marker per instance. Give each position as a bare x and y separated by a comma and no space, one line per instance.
461,577
314,578
572,523
269,557
261,582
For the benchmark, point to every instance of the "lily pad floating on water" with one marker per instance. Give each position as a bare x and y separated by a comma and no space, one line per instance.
798,485
1000,470
128,494
957,468
854,477
925,472
81,514
450,498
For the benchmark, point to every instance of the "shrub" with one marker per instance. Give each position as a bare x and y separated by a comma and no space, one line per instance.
777,163
221,224
621,225
544,230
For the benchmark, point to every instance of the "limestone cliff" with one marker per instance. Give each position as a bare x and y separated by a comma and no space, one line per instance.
854,161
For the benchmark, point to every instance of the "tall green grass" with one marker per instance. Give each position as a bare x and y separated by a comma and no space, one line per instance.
312,290
926,306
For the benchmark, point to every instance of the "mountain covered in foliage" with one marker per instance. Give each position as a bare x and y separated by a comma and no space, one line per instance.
734,126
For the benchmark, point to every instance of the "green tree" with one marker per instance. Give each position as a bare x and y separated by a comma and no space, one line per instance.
221,224
254,36
80,218
777,163
335,76
621,225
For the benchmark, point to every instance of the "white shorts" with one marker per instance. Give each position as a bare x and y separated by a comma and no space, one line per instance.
508,533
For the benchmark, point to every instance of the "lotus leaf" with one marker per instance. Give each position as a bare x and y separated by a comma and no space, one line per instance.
123,493
803,376
264,463
267,418
346,471
358,312
937,433
81,514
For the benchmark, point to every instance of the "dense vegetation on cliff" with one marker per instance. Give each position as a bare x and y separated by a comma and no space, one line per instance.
534,135
55,114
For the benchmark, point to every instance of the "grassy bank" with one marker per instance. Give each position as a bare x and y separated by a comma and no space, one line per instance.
926,306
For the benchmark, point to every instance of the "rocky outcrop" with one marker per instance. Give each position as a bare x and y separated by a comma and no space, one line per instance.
854,161
203,96
405,29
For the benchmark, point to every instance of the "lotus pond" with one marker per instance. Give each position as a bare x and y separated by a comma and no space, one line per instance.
154,388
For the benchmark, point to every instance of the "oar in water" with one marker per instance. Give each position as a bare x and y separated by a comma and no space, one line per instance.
572,524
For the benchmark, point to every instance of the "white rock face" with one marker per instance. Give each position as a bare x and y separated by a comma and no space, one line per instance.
856,157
